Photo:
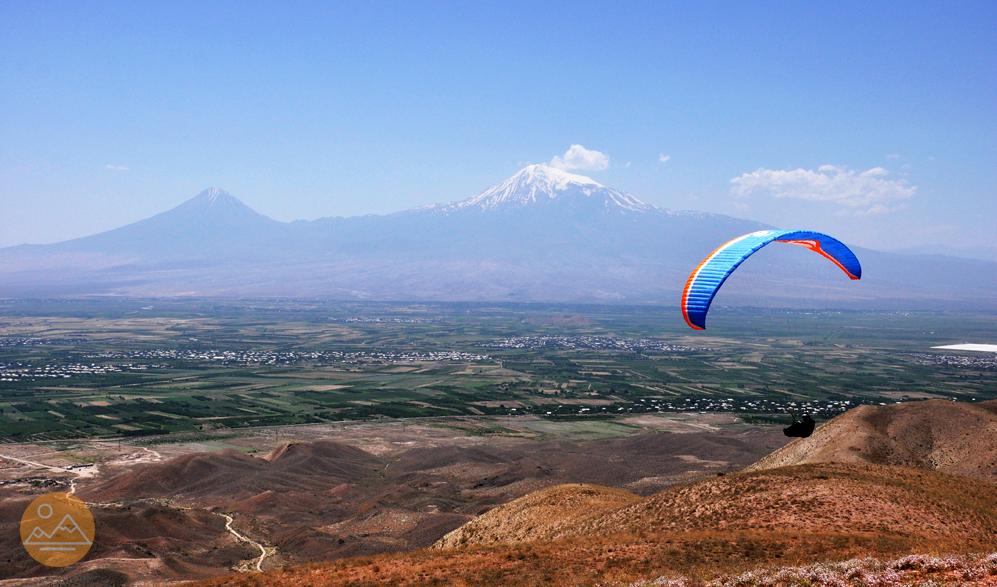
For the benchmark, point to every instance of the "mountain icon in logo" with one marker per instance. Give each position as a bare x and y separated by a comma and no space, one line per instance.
67,533
57,529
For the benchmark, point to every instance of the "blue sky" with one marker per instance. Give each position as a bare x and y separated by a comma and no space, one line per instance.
874,121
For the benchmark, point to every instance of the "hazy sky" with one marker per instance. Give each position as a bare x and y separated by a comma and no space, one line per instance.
874,121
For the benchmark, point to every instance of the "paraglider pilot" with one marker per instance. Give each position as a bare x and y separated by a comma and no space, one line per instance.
801,428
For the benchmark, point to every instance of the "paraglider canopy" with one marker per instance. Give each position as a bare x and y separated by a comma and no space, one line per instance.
706,279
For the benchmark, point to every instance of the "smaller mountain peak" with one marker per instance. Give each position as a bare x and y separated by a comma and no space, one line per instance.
214,203
214,195
214,200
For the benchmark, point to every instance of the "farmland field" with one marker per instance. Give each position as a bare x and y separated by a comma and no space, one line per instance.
139,367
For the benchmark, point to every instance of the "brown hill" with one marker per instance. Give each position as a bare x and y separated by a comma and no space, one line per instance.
819,499
954,437
878,480
235,475
727,524
811,499
542,514
149,539
322,500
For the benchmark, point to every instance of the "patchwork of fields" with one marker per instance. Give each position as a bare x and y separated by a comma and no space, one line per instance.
126,368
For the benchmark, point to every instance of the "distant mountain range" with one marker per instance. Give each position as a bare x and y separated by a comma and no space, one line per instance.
541,235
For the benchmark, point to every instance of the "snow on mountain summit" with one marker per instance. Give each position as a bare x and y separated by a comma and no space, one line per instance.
215,202
214,196
539,183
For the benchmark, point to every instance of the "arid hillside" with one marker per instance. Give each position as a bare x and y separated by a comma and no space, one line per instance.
728,524
548,513
882,482
939,435
810,499
193,543
954,437
376,488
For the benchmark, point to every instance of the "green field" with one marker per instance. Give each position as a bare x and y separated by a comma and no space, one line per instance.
106,368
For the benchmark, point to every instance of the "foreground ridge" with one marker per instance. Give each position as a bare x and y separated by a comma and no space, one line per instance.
801,520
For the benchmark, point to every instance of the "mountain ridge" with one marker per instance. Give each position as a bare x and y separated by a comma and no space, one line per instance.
542,234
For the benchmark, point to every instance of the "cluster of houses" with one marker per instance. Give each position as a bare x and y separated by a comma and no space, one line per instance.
977,361
816,407
584,342
17,371
274,357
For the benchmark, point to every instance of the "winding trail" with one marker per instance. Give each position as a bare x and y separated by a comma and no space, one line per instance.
264,551
254,564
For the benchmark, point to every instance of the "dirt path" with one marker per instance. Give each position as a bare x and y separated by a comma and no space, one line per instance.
33,464
247,566
153,456
264,551
77,473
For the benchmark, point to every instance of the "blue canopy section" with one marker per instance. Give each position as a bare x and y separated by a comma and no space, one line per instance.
706,279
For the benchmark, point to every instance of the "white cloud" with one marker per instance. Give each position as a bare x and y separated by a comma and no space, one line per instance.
113,167
578,157
662,158
872,191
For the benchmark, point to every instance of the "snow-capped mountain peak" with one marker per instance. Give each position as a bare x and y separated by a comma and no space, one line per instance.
540,175
215,202
214,196
539,183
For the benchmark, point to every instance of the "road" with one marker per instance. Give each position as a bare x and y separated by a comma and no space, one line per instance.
77,473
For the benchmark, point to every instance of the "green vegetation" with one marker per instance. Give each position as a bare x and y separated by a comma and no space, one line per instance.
105,368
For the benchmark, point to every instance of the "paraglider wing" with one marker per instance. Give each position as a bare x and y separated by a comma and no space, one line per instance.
706,279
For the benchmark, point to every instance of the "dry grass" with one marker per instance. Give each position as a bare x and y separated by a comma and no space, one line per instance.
815,499
543,514
918,569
